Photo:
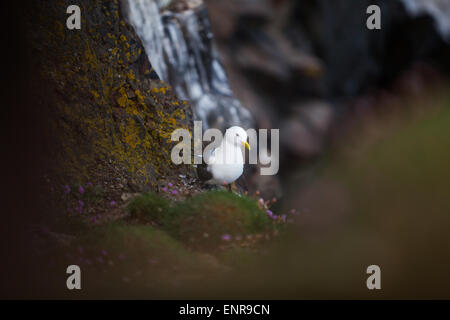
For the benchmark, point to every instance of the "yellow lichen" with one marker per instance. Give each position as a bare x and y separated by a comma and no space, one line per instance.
133,130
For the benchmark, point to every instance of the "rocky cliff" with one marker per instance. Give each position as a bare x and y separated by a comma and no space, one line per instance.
108,118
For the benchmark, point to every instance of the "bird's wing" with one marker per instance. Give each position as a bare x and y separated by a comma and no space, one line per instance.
203,169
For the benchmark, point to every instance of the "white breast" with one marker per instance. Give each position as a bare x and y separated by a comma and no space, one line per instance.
227,164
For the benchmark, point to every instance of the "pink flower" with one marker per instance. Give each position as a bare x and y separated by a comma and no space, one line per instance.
170,185
271,215
81,190
66,188
174,192
226,237
164,189
80,206
112,203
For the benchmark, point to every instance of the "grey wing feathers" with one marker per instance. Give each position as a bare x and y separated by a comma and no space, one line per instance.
203,171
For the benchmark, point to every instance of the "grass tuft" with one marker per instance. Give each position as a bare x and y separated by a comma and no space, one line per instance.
203,220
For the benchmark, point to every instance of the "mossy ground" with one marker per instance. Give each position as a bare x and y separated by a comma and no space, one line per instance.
206,219
164,244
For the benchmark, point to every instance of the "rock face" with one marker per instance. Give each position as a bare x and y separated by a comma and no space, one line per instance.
281,55
108,117
438,9
180,46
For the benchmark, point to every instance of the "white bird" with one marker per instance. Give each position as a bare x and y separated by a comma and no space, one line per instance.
225,164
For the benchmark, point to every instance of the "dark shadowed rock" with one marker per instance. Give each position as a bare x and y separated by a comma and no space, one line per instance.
303,133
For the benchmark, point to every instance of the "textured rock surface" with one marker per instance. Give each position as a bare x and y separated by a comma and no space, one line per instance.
109,118
181,48
438,9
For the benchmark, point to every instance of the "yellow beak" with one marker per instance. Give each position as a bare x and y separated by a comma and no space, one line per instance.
246,145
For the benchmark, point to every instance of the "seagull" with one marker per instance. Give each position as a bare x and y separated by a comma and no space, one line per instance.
225,164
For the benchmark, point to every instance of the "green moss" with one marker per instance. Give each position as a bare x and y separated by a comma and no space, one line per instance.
202,220
149,207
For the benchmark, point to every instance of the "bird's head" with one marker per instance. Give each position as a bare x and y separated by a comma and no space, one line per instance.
237,136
